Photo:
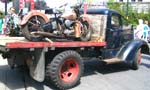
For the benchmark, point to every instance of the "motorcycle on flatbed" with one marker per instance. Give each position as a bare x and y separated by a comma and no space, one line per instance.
58,27
62,63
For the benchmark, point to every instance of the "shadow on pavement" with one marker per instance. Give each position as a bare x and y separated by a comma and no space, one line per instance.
95,66
10,79
146,61
146,65
145,56
20,79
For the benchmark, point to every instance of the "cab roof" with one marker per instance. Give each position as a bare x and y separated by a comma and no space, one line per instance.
105,11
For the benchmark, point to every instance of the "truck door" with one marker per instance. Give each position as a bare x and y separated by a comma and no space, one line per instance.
114,30
127,32
113,35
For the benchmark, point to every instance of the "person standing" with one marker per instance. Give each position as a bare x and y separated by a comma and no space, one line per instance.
146,23
146,31
1,22
142,31
12,20
139,30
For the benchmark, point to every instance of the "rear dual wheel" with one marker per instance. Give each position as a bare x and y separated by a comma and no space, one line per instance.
65,69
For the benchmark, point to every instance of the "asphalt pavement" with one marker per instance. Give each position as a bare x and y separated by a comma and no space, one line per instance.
97,76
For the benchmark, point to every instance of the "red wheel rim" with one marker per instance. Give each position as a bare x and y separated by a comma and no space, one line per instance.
69,70
139,57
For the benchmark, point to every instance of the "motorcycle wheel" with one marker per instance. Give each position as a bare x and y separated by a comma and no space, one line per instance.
86,32
34,24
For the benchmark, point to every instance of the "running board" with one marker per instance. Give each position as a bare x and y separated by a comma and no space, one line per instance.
112,60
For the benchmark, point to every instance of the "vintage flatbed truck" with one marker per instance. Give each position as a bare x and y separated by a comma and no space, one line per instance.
61,62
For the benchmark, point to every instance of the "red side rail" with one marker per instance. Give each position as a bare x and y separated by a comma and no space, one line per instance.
52,44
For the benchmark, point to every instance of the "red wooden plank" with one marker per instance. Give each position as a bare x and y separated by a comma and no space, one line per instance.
54,44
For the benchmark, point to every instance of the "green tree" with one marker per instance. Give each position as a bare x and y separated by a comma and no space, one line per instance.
133,15
2,14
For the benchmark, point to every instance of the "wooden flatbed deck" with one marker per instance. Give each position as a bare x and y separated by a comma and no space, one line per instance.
6,39
21,42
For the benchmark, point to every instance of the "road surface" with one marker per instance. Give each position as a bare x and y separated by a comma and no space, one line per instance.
96,77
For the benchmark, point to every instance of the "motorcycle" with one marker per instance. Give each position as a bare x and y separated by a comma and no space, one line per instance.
59,27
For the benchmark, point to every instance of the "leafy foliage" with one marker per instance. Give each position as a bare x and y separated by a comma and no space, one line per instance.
133,15
2,14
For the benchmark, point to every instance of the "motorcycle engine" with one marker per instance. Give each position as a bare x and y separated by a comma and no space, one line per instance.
69,24
50,26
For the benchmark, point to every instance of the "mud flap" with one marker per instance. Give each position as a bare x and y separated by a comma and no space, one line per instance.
37,69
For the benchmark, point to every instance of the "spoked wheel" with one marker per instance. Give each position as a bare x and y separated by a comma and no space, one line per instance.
65,69
135,64
86,32
33,25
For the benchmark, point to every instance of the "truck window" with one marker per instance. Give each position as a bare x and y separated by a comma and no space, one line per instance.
115,21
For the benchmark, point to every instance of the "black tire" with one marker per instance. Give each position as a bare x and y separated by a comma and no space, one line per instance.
65,69
137,61
86,32
29,27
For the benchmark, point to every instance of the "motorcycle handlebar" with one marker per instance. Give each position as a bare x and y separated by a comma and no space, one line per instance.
63,5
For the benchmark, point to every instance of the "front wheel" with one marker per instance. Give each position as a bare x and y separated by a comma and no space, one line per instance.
137,61
34,24
65,69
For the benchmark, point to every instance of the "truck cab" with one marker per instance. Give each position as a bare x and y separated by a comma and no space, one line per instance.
112,28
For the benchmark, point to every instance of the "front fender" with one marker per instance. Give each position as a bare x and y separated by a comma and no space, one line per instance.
31,14
129,50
